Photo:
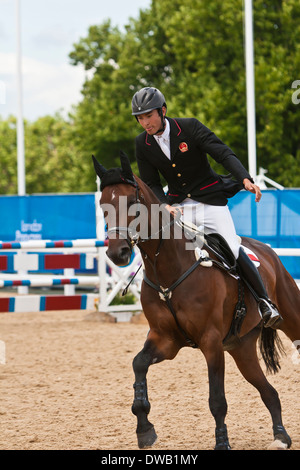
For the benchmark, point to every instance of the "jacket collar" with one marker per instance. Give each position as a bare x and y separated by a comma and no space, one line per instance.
175,137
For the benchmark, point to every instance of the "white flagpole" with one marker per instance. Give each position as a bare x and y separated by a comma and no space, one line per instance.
20,124
250,81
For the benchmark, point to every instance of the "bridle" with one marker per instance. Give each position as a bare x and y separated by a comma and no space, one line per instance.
131,236
127,233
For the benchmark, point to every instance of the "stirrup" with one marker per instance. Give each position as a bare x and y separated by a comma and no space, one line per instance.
271,316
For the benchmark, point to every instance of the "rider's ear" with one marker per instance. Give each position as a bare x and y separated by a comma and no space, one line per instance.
126,167
99,169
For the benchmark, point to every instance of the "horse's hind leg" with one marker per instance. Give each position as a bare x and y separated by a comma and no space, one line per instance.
247,361
150,354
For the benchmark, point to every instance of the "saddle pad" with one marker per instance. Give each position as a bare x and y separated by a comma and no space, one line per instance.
252,256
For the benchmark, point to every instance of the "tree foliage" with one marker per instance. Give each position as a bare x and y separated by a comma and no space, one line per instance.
193,50
51,159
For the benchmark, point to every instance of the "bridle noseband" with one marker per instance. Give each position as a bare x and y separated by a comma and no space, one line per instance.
128,234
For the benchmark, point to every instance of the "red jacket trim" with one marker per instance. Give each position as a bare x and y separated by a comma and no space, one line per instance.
211,184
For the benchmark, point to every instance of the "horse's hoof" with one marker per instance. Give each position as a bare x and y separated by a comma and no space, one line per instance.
147,439
223,447
222,442
278,445
282,440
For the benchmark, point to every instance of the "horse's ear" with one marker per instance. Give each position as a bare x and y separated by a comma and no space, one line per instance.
126,167
99,169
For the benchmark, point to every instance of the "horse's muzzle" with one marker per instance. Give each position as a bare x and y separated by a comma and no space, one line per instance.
119,252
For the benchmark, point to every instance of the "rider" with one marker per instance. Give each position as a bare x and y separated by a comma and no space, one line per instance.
176,149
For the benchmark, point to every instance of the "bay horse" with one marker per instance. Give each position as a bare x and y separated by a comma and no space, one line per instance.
194,306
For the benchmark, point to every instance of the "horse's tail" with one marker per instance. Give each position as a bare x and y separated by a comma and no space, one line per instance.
271,349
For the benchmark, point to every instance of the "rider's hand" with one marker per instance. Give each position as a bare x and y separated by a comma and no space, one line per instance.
253,188
176,211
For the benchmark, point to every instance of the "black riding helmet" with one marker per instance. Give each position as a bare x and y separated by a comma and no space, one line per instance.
146,100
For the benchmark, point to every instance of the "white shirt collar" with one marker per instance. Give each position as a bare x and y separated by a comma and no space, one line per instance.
163,140
166,133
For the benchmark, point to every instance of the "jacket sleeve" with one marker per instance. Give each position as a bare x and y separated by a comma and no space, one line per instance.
219,151
150,175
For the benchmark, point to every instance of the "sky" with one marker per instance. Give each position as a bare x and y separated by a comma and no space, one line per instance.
49,28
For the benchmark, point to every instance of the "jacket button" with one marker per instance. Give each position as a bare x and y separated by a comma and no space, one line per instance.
188,195
178,174
174,164
183,184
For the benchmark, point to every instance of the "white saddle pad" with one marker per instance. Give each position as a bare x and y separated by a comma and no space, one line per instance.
252,256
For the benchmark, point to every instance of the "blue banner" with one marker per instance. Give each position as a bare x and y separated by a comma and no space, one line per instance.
53,217
274,220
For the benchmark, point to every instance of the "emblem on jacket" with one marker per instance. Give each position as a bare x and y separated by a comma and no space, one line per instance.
183,147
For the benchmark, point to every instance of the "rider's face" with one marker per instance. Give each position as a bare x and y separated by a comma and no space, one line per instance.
151,121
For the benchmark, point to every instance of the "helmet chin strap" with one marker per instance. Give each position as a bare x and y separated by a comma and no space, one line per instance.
163,122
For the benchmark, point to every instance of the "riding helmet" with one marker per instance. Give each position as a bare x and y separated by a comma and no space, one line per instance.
146,100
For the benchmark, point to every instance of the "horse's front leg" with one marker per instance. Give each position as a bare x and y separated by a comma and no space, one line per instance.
152,353
214,355
146,434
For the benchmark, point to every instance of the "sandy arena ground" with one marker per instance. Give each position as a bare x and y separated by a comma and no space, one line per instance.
67,384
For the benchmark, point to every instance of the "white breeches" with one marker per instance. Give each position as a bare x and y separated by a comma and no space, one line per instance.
211,219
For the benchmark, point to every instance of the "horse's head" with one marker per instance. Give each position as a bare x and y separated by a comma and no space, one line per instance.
120,202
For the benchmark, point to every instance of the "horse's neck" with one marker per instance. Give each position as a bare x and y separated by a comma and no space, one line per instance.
165,260
168,257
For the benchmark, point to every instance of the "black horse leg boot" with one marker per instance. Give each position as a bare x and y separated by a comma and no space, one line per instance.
268,311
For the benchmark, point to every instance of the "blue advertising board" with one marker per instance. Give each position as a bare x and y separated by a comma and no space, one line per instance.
274,220
53,217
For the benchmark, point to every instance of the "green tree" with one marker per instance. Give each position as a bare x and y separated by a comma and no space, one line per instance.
8,156
53,164
194,52
277,41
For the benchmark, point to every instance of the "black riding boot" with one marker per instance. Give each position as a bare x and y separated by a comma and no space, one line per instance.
268,311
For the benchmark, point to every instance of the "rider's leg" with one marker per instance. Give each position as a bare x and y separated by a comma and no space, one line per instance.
218,219
268,311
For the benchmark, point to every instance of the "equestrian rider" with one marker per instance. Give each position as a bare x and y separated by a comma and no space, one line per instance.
176,149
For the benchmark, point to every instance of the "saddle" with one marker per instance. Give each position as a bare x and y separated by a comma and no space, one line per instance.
212,241
222,250
216,244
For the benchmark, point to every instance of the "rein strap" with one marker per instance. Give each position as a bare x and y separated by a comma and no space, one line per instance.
166,293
